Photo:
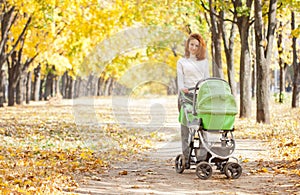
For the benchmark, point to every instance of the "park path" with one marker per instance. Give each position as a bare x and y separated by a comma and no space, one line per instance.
154,172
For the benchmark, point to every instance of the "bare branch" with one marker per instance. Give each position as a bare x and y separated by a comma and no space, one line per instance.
217,15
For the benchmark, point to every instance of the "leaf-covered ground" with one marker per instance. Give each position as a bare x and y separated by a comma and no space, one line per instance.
44,149
282,137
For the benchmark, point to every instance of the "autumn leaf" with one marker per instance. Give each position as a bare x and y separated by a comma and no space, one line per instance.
124,172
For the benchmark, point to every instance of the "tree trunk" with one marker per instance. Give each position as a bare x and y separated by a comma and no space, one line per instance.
54,84
254,79
70,87
77,88
216,40
13,74
37,83
67,88
245,73
282,65
228,47
20,89
2,88
282,82
99,86
95,88
171,88
89,85
296,86
28,87
57,86
11,91
49,86
8,17
108,84
253,65
264,48
245,60
65,85
41,89
296,80
261,67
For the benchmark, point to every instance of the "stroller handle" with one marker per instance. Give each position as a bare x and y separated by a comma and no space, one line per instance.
191,89
196,88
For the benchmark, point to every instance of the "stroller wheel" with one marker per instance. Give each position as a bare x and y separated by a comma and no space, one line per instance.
204,170
180,163
232,170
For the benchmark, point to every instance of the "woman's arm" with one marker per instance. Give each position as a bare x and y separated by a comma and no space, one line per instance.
180,76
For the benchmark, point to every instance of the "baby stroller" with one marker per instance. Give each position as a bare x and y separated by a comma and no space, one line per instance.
209,115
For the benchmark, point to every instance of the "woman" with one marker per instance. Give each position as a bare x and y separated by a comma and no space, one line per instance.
190,69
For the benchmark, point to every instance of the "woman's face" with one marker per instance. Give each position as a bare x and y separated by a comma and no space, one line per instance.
193,46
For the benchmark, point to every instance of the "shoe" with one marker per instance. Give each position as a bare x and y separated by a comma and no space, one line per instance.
187,166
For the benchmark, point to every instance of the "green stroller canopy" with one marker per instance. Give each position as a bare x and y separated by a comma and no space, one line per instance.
214,97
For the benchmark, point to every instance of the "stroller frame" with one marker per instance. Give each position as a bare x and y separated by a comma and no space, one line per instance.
202,153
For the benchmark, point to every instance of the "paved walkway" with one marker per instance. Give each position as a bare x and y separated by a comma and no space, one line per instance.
154,172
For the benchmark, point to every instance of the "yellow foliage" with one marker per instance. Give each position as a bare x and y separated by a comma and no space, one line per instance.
69,30
296,32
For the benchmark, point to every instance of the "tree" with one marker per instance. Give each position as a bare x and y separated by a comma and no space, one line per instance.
23,55
8,17
242,11
216,36
21,20
15,65
227,42
181,17
296,66
36,83
282,63
229,53
264,45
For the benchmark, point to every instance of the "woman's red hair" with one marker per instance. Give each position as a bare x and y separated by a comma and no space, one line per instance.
201,53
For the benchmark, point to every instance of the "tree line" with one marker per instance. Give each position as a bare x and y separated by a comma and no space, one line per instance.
42,48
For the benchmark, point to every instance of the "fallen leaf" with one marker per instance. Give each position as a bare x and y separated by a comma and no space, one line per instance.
124,172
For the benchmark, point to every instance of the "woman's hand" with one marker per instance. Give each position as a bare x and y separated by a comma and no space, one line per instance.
185,90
